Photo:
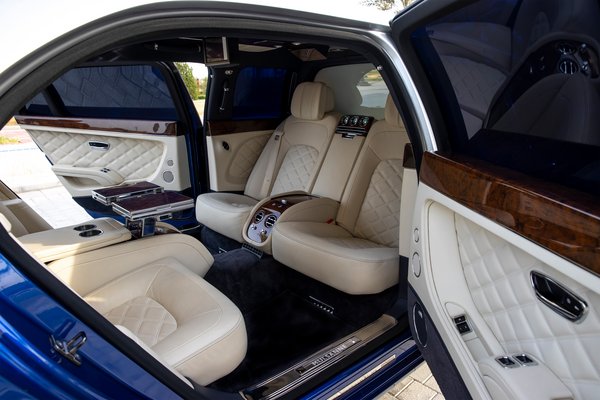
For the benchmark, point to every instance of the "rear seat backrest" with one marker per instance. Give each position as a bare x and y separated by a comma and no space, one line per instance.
370,206
21,218
306,137
290,161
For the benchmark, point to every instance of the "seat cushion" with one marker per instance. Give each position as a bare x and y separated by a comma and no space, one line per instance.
153,287
225,213
187,322
330,254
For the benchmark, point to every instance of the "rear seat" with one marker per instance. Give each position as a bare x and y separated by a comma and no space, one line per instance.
358,254
290,161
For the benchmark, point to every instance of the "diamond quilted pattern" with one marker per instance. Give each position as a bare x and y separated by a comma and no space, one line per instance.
474,84
379,216
296,169
497,274
146,318
247,155
131,158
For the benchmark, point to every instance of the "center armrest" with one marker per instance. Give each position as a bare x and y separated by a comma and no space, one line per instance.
59,243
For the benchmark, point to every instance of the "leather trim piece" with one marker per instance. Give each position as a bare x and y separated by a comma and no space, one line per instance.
167,128
217,128
559,219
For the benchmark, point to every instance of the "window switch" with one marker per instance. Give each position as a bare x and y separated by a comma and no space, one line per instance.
507,362
459,319
524,360
463,328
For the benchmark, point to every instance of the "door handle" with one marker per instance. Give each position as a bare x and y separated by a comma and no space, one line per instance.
560,299
99,145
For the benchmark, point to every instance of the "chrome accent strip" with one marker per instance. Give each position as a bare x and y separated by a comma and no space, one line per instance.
321,360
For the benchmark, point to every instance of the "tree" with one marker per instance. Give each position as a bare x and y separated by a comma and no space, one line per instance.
188,79
385,5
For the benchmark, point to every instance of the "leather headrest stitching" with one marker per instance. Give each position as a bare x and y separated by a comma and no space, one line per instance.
312,100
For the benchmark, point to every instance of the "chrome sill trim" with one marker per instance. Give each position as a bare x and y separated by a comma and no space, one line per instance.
321,360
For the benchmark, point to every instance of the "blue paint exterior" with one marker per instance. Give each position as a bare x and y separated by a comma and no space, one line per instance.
29,369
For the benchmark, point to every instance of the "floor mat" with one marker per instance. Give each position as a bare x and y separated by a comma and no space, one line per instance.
282,331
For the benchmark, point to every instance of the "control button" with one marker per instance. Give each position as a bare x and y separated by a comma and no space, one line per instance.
524,360
459,319
283,201
416,264
416,235
507,362
463,328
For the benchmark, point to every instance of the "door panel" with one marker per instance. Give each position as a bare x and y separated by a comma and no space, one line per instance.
86,159
233,149
475,267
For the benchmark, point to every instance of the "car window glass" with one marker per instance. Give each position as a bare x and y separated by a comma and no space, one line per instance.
358,89
195,79
259,93
520,85
120,92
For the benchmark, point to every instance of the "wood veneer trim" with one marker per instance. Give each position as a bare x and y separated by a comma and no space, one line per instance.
217,128
166,128
559,219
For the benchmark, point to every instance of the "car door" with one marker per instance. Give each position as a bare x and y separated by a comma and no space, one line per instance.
245,105
105,125
504,278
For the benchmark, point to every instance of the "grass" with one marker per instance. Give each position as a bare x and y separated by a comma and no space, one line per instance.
7,140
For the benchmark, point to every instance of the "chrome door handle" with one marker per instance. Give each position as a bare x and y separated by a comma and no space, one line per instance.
560,299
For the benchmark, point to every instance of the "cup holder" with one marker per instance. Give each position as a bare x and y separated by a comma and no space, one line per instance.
85,227
90,233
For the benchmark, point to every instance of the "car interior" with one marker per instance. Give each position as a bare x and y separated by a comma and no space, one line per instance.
288,261
268,242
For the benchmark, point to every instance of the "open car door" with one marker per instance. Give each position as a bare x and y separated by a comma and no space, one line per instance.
104,125
504,270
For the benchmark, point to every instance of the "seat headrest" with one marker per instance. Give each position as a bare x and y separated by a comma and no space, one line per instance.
392,116
312,100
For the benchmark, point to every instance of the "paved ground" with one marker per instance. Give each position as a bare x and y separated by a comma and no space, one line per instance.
27,171
418,385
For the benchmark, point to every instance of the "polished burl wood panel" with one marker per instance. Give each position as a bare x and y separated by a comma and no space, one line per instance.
168,128
562,220
216,128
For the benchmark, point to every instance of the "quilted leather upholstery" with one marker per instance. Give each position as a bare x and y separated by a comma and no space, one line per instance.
296,169
497,274
379,216
358,254
246,156
146,318
131,158
474,84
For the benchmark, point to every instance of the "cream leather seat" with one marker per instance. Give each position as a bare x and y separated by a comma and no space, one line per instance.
358,254
290,161
20,219
153,287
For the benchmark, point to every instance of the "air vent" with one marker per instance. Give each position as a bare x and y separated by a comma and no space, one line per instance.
568,67
270,221
259,216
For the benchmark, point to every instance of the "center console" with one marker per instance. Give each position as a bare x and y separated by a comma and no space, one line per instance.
285,208
263,220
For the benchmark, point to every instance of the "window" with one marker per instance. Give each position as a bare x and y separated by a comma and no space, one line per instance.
358,88
259,93
519,86
120,92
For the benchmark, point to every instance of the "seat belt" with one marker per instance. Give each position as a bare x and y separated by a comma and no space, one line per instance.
266,177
